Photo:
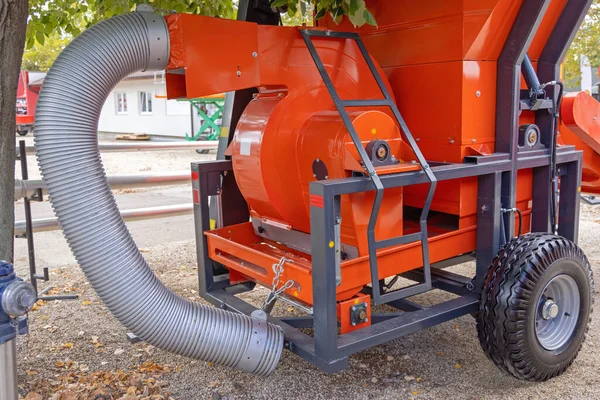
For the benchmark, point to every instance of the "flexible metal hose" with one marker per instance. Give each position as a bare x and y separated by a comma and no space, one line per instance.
67,113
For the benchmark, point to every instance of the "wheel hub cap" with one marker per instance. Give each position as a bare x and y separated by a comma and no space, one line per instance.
550,310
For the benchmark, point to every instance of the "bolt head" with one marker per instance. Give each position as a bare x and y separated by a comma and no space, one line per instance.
362,314
254,54
549,309
478,93
239,73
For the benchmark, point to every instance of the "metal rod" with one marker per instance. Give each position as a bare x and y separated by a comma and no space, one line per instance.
8,370
28,223
25,188
51,224
61,297
531,78
148,146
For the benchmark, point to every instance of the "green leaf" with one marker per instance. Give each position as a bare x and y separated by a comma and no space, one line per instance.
369,18
39,36
30,42
355,5
337,15
321,13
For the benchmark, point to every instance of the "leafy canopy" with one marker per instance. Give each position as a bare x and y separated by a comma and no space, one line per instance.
586,42
355,10
53,23
69,17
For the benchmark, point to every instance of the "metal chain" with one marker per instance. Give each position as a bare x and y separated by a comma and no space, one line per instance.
278,270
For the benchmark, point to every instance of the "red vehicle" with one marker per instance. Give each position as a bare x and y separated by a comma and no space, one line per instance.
27,96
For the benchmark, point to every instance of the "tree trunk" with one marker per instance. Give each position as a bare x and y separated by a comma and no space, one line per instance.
13,22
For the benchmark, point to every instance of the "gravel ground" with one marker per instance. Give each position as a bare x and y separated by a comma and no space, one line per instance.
75,341
441,362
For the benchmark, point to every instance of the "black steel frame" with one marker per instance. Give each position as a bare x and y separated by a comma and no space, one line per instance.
497,189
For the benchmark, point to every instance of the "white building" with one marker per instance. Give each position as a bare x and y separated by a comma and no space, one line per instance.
138,105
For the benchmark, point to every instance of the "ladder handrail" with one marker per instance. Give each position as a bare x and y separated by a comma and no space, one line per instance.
368,165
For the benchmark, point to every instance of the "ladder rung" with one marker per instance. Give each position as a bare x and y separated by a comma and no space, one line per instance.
413,237
330,34
366,103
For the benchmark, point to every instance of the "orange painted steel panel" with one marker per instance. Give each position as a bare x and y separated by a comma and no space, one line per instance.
239,249
445,30
192,37
445,88
580,127
545,29
343,314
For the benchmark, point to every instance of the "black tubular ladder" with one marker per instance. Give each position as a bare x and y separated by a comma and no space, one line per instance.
387,101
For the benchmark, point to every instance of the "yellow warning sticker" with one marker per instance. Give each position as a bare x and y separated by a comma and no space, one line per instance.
331,244
224,131
213,224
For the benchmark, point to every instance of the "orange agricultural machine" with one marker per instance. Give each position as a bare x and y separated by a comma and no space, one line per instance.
361,162
383,152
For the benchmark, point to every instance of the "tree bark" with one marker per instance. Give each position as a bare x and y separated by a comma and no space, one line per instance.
13,23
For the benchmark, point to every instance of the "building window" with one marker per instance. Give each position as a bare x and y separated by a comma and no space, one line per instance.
145,102
121,100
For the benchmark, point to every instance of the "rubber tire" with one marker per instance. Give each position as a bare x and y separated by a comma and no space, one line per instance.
508,303
22,133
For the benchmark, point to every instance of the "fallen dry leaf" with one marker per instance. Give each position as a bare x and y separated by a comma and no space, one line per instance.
67,395
68,345
38,304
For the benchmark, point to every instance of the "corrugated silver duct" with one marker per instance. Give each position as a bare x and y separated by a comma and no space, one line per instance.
67,115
